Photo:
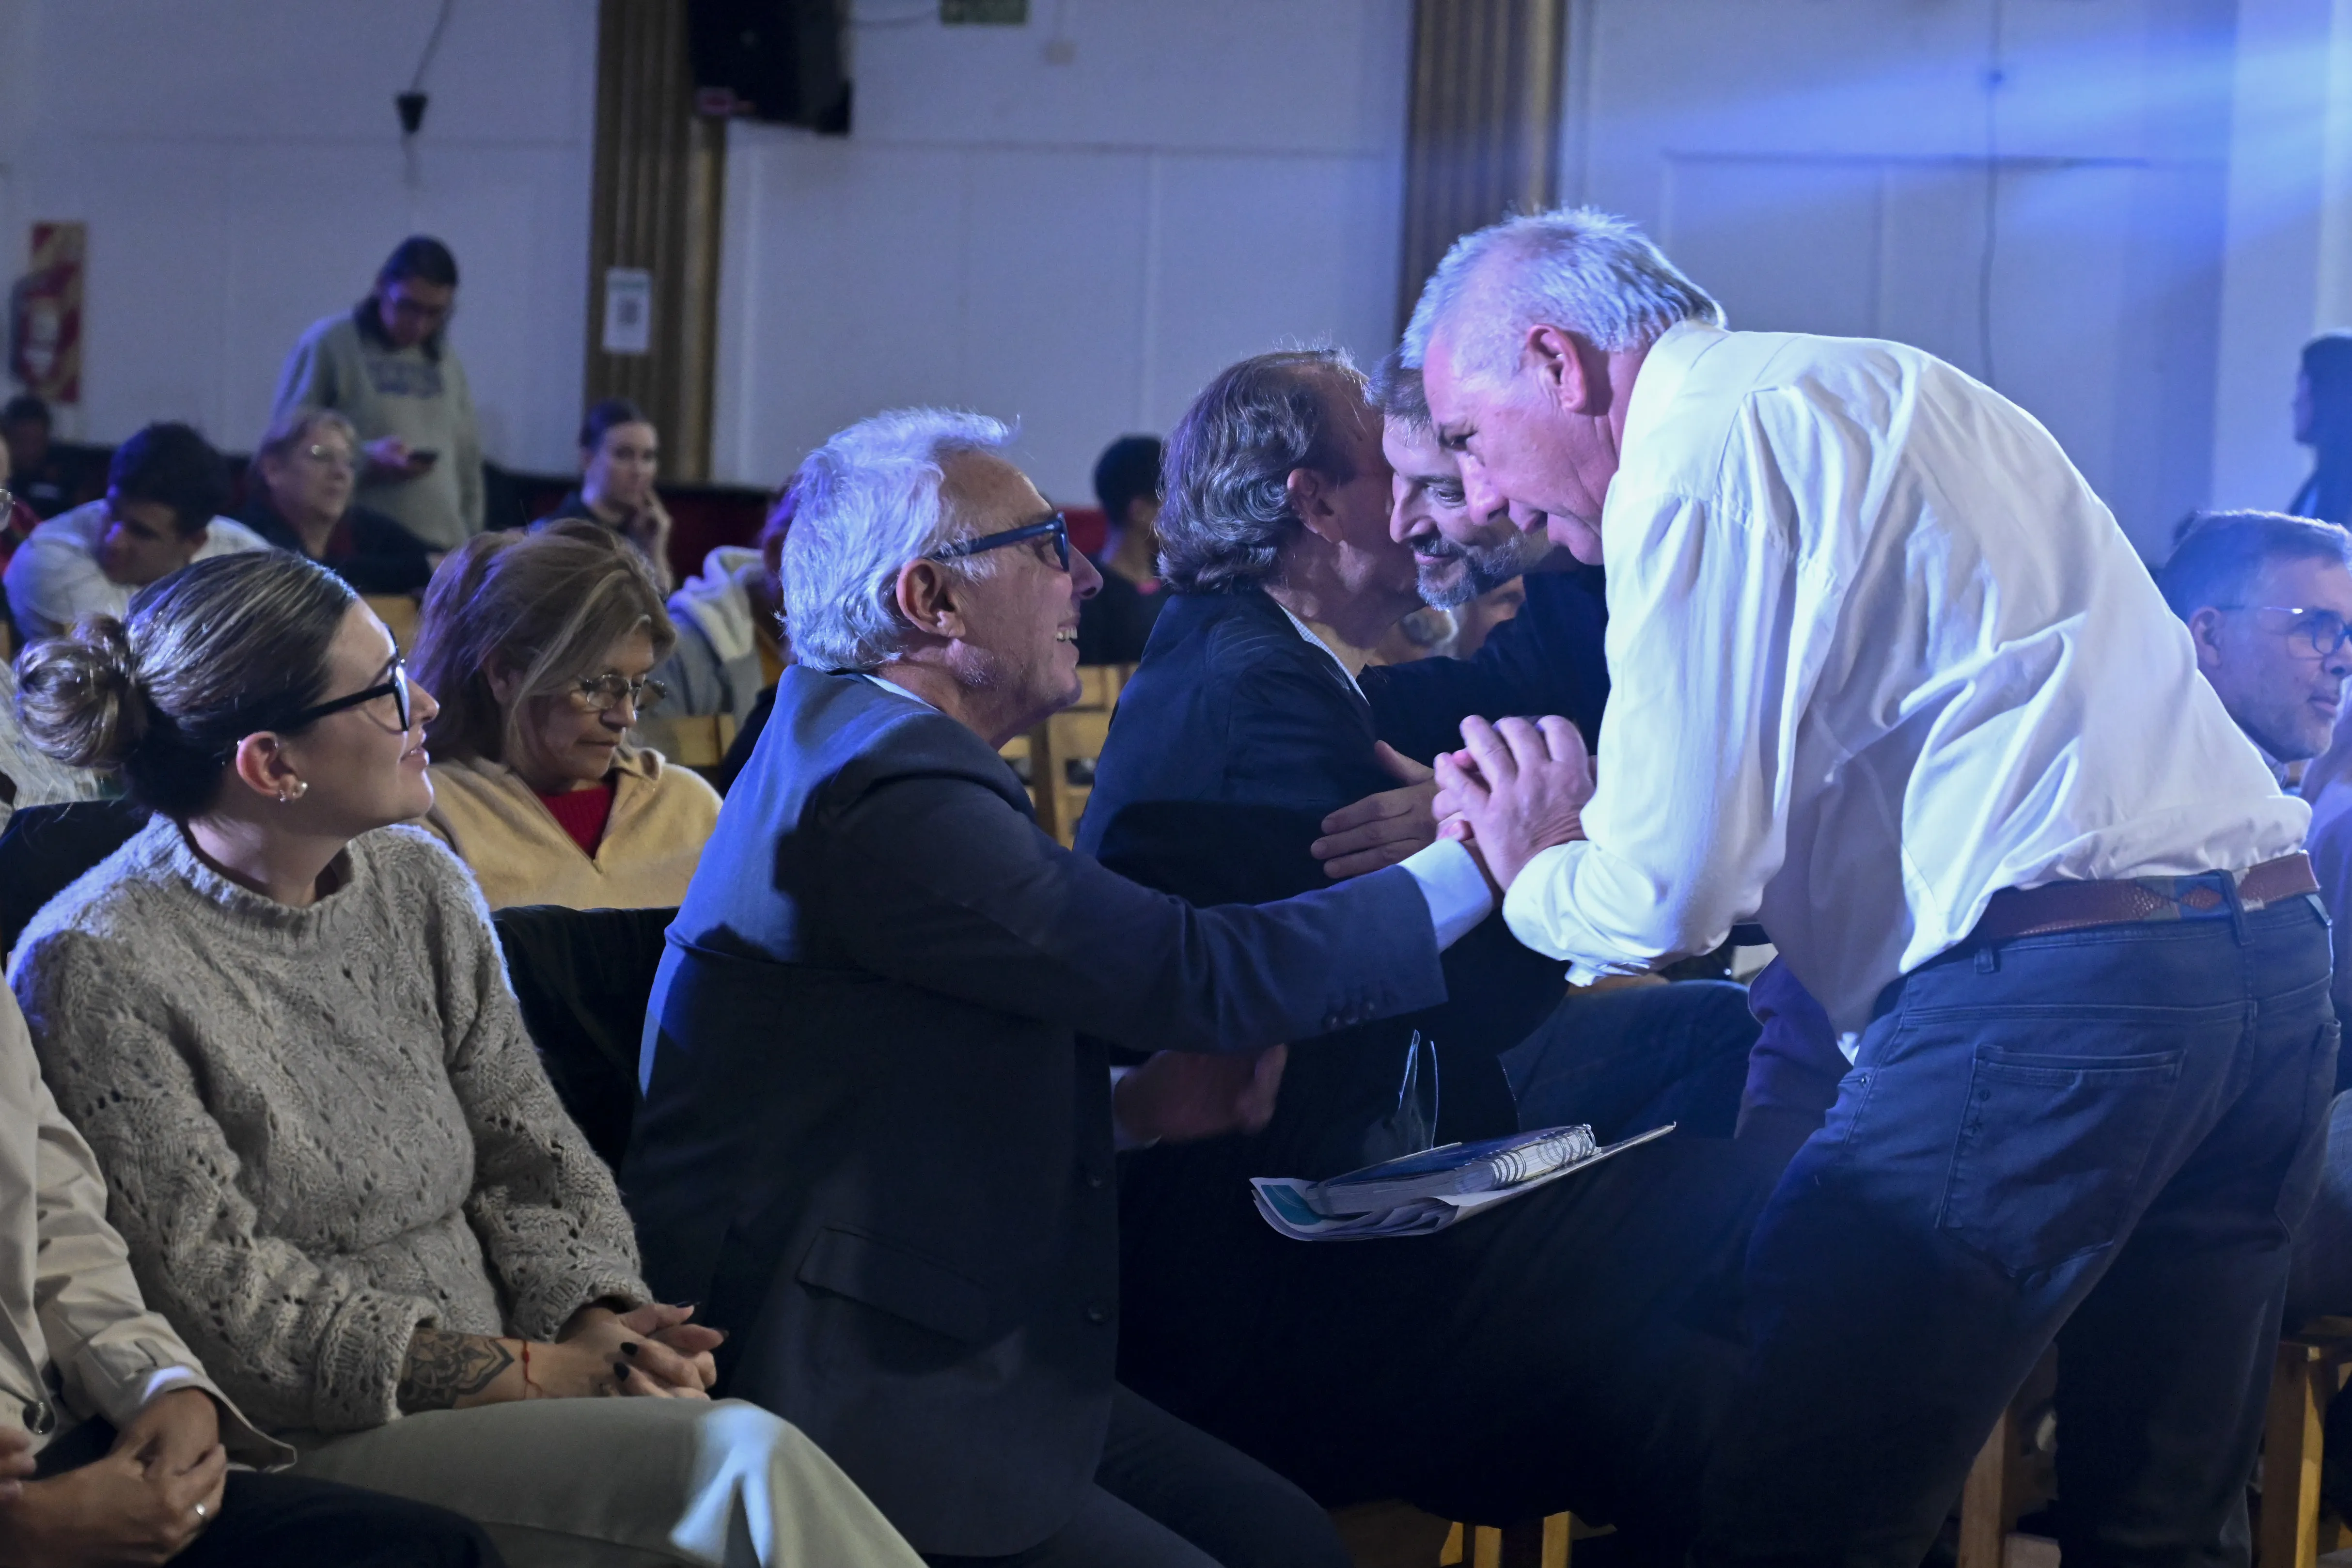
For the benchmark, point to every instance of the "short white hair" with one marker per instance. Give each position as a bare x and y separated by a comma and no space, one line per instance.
1588,271
867,501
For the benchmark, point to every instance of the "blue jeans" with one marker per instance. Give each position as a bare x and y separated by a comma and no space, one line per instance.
2100,1137
1627,1060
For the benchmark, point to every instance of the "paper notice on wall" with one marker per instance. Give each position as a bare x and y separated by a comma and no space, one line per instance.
628,311
45,314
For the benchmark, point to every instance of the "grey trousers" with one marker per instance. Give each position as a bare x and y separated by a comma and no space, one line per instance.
620,1483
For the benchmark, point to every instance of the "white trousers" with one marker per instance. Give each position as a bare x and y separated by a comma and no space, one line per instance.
621,1483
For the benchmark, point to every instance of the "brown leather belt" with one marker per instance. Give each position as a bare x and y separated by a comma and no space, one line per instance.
2070,906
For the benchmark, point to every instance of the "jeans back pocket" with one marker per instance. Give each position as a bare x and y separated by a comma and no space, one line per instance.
2049,1161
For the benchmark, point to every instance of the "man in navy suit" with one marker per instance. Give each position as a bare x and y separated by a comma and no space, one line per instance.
1558,1353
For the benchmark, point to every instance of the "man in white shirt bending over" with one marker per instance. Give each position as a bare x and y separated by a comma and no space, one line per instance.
1888,678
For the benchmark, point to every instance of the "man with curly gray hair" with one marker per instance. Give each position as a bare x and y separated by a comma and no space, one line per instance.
1888,678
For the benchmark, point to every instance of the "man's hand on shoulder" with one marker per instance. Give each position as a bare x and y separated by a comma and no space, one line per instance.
1179,1096
1384,829
1519,788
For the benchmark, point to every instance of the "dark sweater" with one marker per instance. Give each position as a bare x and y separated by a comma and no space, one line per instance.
368,550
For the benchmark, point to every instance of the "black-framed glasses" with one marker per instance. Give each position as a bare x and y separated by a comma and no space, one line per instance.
602,693
395,687
2320,631
1058,527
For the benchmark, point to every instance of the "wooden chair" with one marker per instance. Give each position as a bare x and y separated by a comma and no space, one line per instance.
2011,1476
2310,1369
399,614
1063,749
1398,1535
688,740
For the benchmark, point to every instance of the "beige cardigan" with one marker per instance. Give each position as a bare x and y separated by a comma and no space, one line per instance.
70,1308
520,853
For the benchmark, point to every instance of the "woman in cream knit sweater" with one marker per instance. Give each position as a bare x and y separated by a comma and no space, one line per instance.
284,1027
539,647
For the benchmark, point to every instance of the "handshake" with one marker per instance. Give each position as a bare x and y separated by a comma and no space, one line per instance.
1517,787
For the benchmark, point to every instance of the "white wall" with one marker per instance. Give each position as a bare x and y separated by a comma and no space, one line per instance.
2289,262
1822,165
1076,245
239,165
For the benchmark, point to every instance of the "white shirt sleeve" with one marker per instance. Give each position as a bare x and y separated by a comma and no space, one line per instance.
1685,826
1454,888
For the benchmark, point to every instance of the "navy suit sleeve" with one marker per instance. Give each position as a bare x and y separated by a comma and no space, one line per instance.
943,884
1549,658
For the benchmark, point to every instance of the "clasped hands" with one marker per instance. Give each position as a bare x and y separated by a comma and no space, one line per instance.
1517,787
651,1351
142,1503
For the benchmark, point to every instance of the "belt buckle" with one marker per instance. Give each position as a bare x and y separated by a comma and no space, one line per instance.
2201,896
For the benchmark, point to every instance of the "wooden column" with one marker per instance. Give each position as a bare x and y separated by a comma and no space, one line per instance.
661,173
1484,136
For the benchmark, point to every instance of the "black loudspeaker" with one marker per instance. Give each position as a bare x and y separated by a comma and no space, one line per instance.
779,60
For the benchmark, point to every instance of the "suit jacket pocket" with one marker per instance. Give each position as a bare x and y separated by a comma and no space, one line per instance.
895,1280
2050,1159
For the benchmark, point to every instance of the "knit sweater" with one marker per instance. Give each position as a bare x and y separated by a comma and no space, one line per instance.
416,394
661,817
320,1127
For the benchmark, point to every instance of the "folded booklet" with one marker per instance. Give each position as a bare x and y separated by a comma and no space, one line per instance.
1451,1171
1442,1187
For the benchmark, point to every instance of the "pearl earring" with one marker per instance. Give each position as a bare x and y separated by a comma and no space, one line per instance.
300,788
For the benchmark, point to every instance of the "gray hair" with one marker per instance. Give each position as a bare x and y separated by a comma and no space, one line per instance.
296,426
1224,479
867,501
1581,269
2220,553
1398,393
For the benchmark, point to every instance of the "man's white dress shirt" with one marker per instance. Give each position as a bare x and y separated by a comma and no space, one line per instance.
54,578
1876,652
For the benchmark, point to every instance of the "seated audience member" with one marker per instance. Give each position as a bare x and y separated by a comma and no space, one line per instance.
730,645
1116,623
1547,658
27,776
17,517
385,364
1239,733
157,515
541,647
878,1123
300,498
2267,599
283,1024
620,455
121,1454
44,477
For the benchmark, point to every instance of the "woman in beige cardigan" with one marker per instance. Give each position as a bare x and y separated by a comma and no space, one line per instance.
282,1022
539,647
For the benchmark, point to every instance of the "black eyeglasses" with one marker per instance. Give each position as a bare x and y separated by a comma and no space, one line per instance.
396,689
2320,631
1056,526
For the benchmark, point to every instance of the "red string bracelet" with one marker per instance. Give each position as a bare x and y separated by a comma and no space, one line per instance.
529,1387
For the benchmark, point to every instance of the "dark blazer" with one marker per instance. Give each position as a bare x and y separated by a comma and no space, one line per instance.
1229,744
875,1141
1549,658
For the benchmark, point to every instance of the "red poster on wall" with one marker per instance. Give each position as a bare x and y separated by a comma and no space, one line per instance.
45,314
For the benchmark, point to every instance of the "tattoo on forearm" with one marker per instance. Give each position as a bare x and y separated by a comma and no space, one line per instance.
443,1368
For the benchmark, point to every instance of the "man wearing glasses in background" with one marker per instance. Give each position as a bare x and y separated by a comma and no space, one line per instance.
2266,598
879,1118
